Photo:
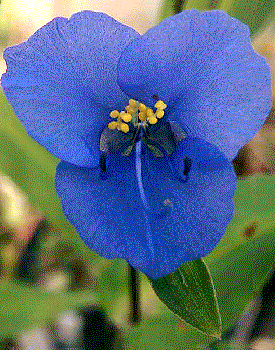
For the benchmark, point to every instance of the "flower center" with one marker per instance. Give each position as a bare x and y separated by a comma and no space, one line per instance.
137,122
136,113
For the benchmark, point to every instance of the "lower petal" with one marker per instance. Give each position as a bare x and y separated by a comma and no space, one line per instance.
183,218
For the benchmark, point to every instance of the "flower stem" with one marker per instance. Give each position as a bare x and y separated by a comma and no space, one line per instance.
134,290
179,6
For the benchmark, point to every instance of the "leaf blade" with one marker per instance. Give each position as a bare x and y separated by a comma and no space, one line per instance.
190,294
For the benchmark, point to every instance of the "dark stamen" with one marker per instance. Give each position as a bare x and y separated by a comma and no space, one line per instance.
102,162
155,97
187,165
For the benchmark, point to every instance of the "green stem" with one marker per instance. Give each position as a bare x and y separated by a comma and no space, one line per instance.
134,290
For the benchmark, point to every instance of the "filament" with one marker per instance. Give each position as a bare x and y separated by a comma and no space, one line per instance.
144,199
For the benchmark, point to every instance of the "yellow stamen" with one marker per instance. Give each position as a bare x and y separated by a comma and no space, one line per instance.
130,109
149,112
113,125
142,107
125,117
114,114
136,112
142,116
159,113
132,103
152,120
124,127
160,105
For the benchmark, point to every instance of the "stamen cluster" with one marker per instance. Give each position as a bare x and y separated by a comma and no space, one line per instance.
136,112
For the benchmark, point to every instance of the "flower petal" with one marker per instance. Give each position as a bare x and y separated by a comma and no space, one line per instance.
204,67
182,221
62,82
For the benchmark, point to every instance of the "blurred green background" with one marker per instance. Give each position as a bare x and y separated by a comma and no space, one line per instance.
46,270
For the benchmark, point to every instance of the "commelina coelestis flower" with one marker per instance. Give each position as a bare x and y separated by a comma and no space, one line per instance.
145,126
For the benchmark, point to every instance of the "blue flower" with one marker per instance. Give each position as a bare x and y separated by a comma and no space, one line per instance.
145,126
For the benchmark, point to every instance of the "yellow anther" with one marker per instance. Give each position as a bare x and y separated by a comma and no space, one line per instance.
152,120
130,109
159,113
114,114
145,115
160,105
124,127
149,112
142,107
132,103
142,116
113,125
126,117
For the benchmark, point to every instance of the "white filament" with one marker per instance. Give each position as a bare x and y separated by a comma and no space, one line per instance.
144,199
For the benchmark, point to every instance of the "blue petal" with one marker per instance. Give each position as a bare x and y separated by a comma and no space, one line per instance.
204,67
62,83
181,220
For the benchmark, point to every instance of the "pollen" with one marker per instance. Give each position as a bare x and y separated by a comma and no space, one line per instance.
142,116
113,125
114,114
149,112
127,117
159,113
152,119
142,107
124,127
132,102
135,113
122,119
130,109
160,105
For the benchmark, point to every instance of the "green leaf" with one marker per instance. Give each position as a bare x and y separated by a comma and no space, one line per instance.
189,292
23,307
254,13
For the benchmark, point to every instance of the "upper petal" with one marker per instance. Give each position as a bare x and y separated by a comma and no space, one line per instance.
62,82
180,222
204,67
